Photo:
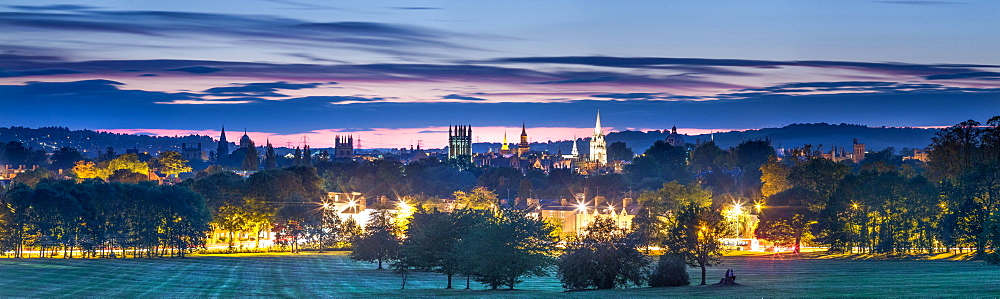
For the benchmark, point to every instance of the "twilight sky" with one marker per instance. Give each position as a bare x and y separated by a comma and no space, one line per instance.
394,72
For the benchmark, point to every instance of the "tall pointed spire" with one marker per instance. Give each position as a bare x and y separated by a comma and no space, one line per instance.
575,152
597,127
523,131
598,147
504,146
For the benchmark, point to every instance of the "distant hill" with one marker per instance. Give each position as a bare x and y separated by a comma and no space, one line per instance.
90,142
790,136
794,135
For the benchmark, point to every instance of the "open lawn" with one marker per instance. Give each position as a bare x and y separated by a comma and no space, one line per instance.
333,275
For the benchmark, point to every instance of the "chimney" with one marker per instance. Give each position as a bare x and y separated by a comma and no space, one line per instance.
626,201
562,201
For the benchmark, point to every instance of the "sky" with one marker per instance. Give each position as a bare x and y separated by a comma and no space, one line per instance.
395,73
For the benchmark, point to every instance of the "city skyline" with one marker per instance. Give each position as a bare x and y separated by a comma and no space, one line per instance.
394,74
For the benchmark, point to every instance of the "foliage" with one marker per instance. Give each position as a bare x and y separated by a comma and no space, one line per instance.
100,218
477,198
33,177
693,226
659,164
65,157
605,258
84,170
129,162
650,225
15,153
708,157
619,151
251,162
505,247
774,177
170,163
671,271
786,217
380,241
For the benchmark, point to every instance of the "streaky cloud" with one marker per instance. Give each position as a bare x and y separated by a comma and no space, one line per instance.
971,75
196,70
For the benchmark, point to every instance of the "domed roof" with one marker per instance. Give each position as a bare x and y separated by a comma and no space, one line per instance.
675,139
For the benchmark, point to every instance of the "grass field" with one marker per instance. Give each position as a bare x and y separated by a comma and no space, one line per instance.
333,275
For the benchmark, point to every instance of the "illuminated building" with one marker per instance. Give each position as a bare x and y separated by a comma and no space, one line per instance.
523,148
504,147
598,147
859,151
460,142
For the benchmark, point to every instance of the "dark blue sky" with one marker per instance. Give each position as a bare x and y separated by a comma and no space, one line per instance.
395,72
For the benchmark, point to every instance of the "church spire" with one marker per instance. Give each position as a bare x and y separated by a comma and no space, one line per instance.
504,146
575,152
523,131
597,127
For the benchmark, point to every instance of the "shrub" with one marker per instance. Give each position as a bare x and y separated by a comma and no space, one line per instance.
671,271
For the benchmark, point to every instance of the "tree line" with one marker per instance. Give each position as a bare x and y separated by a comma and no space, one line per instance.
100,219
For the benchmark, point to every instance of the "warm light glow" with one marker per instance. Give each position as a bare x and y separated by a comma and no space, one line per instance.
758,206
855,206
581,207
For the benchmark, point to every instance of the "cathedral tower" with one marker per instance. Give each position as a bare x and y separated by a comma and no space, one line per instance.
344,147
459,141
598,147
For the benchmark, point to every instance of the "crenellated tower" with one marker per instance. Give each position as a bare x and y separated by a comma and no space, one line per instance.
460,141
344,147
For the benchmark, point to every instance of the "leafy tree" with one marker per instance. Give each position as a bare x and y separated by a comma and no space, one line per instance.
431,242
127,177
32,177
749,156
707,157
85,170
65,158
605,258
380,241
786,216
501,179
954,149
170,163
270,159
129,162
774,177
15,153
659,164
694,235
651,223
506,247
671,271
478,198
619,151
251,162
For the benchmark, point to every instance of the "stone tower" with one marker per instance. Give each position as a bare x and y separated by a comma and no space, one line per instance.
460,141
344,147
523,148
